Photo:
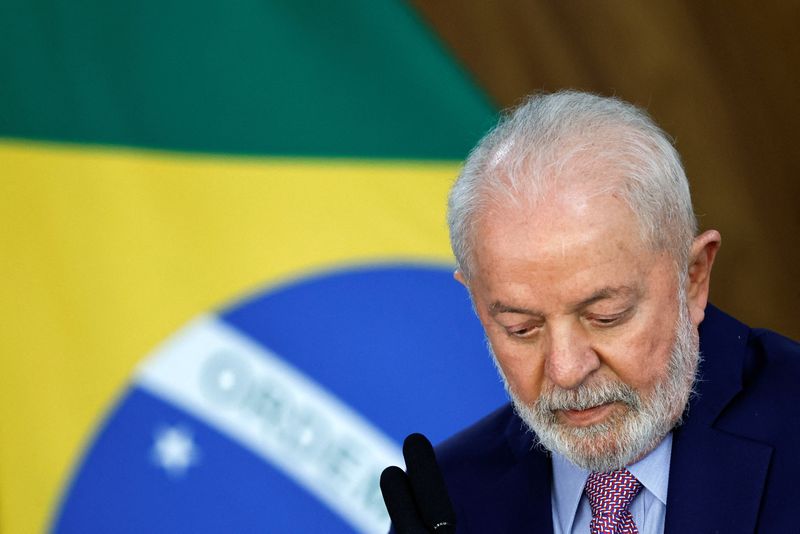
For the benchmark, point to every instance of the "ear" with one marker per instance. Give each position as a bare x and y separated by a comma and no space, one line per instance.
701,259
460,277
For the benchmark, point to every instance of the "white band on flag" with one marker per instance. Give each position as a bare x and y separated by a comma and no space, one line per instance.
256,398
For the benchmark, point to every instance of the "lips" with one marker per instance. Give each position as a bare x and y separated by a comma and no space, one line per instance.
589,416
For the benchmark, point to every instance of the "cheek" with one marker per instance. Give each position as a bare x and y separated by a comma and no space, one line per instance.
522,369
639,360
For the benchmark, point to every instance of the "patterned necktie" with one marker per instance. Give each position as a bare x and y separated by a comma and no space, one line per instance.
609,495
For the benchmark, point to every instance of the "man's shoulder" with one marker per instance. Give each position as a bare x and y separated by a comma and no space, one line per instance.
758,350
772,371
717,322
766,354
762,370
742,431
779,349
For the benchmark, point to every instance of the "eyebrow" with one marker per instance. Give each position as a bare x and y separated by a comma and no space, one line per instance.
498,307
603,293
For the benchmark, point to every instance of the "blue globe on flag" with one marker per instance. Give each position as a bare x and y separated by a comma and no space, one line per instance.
278,413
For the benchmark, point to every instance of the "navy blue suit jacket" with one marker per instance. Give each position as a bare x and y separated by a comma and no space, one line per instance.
735,463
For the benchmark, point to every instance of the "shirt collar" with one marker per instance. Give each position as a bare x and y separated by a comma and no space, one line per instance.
568,480
653,470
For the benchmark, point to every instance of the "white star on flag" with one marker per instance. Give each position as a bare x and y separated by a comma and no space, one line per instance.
174,450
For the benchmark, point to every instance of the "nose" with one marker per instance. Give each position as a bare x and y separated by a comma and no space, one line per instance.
570,358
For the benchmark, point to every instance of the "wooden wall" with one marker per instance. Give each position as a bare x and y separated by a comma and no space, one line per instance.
720,77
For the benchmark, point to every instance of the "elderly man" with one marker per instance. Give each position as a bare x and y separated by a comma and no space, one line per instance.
636,406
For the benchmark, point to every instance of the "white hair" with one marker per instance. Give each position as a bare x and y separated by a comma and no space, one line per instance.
568,138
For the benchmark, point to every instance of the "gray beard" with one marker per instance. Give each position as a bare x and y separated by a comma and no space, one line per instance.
626,436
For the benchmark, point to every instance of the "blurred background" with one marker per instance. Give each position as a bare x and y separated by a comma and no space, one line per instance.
273,174
721,79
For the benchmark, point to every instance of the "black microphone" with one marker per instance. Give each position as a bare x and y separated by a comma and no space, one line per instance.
417,501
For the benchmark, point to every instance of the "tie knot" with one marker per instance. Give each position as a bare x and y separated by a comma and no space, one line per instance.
611,493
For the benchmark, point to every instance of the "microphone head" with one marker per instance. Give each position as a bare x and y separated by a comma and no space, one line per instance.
428,485
400,502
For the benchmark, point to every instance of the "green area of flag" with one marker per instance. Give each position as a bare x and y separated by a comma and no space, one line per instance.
281,77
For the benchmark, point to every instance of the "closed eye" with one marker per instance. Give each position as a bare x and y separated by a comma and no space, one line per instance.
523,332
606,321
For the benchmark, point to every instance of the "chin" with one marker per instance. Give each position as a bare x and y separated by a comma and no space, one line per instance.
619,440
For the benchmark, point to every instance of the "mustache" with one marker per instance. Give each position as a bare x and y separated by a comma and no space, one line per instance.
586,396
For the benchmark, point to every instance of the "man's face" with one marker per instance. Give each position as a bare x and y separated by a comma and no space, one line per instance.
582,318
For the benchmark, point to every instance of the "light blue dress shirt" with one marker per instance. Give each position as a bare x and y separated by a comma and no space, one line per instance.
572,513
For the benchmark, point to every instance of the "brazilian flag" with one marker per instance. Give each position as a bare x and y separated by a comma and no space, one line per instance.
225,275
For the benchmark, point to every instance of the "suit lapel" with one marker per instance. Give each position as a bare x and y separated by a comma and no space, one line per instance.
508,489
716,479
517,502
535,477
